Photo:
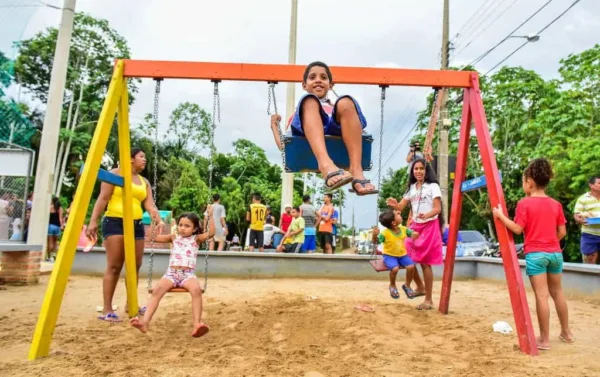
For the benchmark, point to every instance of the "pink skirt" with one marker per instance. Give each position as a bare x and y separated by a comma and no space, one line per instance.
427,248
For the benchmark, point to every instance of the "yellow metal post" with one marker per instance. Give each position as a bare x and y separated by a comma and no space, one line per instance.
42,336
128,233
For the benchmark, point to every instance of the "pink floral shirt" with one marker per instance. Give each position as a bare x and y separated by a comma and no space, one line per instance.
184,252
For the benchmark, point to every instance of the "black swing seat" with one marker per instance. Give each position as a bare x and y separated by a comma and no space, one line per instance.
299,157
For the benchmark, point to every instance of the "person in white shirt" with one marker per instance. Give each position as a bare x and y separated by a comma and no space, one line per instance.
425,198
269,230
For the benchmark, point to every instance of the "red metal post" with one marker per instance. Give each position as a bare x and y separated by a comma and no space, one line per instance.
457,198
510,261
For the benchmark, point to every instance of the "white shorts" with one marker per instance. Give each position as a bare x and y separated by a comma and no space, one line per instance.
219,238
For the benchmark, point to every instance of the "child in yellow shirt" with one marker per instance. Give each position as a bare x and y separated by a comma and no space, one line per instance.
394,251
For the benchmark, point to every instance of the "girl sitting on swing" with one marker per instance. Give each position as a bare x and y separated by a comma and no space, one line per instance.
316,116
181,271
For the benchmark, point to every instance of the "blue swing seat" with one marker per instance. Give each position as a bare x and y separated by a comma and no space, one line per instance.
299,157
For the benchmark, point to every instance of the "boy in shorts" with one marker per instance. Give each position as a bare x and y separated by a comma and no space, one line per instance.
394,251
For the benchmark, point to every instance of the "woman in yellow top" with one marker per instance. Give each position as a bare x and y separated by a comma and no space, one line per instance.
112,227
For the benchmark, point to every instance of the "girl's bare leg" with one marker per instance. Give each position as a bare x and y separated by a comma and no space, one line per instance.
540,288
314,131
560,302
347,117
115,256
198,328
162,287
428,278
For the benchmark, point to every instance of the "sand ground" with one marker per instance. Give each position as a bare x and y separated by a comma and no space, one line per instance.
287,327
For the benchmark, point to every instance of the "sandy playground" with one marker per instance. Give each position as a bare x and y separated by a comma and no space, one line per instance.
293,328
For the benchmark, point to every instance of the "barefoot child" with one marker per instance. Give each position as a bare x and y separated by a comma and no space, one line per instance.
181,271
394,251
542,220
316,116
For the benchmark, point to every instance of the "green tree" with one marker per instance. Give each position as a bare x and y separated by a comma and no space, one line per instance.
190,193
94,48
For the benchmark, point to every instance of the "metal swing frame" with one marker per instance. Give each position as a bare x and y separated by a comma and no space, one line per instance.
116,104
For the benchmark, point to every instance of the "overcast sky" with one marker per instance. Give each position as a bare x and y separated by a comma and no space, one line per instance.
380,33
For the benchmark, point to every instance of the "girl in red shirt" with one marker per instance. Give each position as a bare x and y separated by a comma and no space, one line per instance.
542,221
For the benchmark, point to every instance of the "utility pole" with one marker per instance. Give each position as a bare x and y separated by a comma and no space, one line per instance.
38,224
287,179
445,121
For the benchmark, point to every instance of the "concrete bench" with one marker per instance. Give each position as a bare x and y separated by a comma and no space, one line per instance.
8,247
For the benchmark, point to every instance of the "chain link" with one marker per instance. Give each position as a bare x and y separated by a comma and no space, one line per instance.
155,181
216,119
273,100
382,113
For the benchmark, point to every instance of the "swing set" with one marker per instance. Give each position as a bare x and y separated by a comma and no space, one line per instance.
116,104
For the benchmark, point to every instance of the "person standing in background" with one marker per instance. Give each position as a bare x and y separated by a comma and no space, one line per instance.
309,214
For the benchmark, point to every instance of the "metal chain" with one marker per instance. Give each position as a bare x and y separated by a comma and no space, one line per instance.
155,182
382,113
216,119
273,99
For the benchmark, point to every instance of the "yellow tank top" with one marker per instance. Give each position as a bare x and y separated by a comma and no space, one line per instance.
257,216
393,243
115,205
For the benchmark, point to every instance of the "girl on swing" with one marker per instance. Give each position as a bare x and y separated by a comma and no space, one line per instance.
316,116
425,199
181,271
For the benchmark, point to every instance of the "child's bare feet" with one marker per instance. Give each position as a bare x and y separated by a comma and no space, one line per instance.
199,330
135,322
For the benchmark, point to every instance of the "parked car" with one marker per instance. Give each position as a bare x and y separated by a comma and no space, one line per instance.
473,244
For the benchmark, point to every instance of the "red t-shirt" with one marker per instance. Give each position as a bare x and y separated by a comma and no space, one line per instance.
286,220
540,218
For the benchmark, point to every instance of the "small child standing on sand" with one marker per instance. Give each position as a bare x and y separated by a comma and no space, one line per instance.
394,251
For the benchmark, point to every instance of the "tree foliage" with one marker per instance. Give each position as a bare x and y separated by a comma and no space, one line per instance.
530,117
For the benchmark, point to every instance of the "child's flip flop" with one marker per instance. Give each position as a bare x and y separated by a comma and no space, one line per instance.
200,330
565,339
394,293
363,183
110,317
341,182
409,292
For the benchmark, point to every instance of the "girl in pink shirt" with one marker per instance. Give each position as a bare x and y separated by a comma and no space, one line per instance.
181,271
542,221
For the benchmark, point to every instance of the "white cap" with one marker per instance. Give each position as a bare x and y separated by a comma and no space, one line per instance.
288,206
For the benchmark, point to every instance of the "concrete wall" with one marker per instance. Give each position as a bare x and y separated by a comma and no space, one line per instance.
577,277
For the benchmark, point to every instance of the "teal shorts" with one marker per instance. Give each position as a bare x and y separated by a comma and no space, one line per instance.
537,263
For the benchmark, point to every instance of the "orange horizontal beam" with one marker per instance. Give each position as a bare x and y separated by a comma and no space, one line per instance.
293,73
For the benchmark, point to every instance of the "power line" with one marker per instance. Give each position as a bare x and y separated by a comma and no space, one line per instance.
488,26
538,33
482,56
470,19
481,21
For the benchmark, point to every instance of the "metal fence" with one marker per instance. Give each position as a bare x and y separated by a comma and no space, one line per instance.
15,204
